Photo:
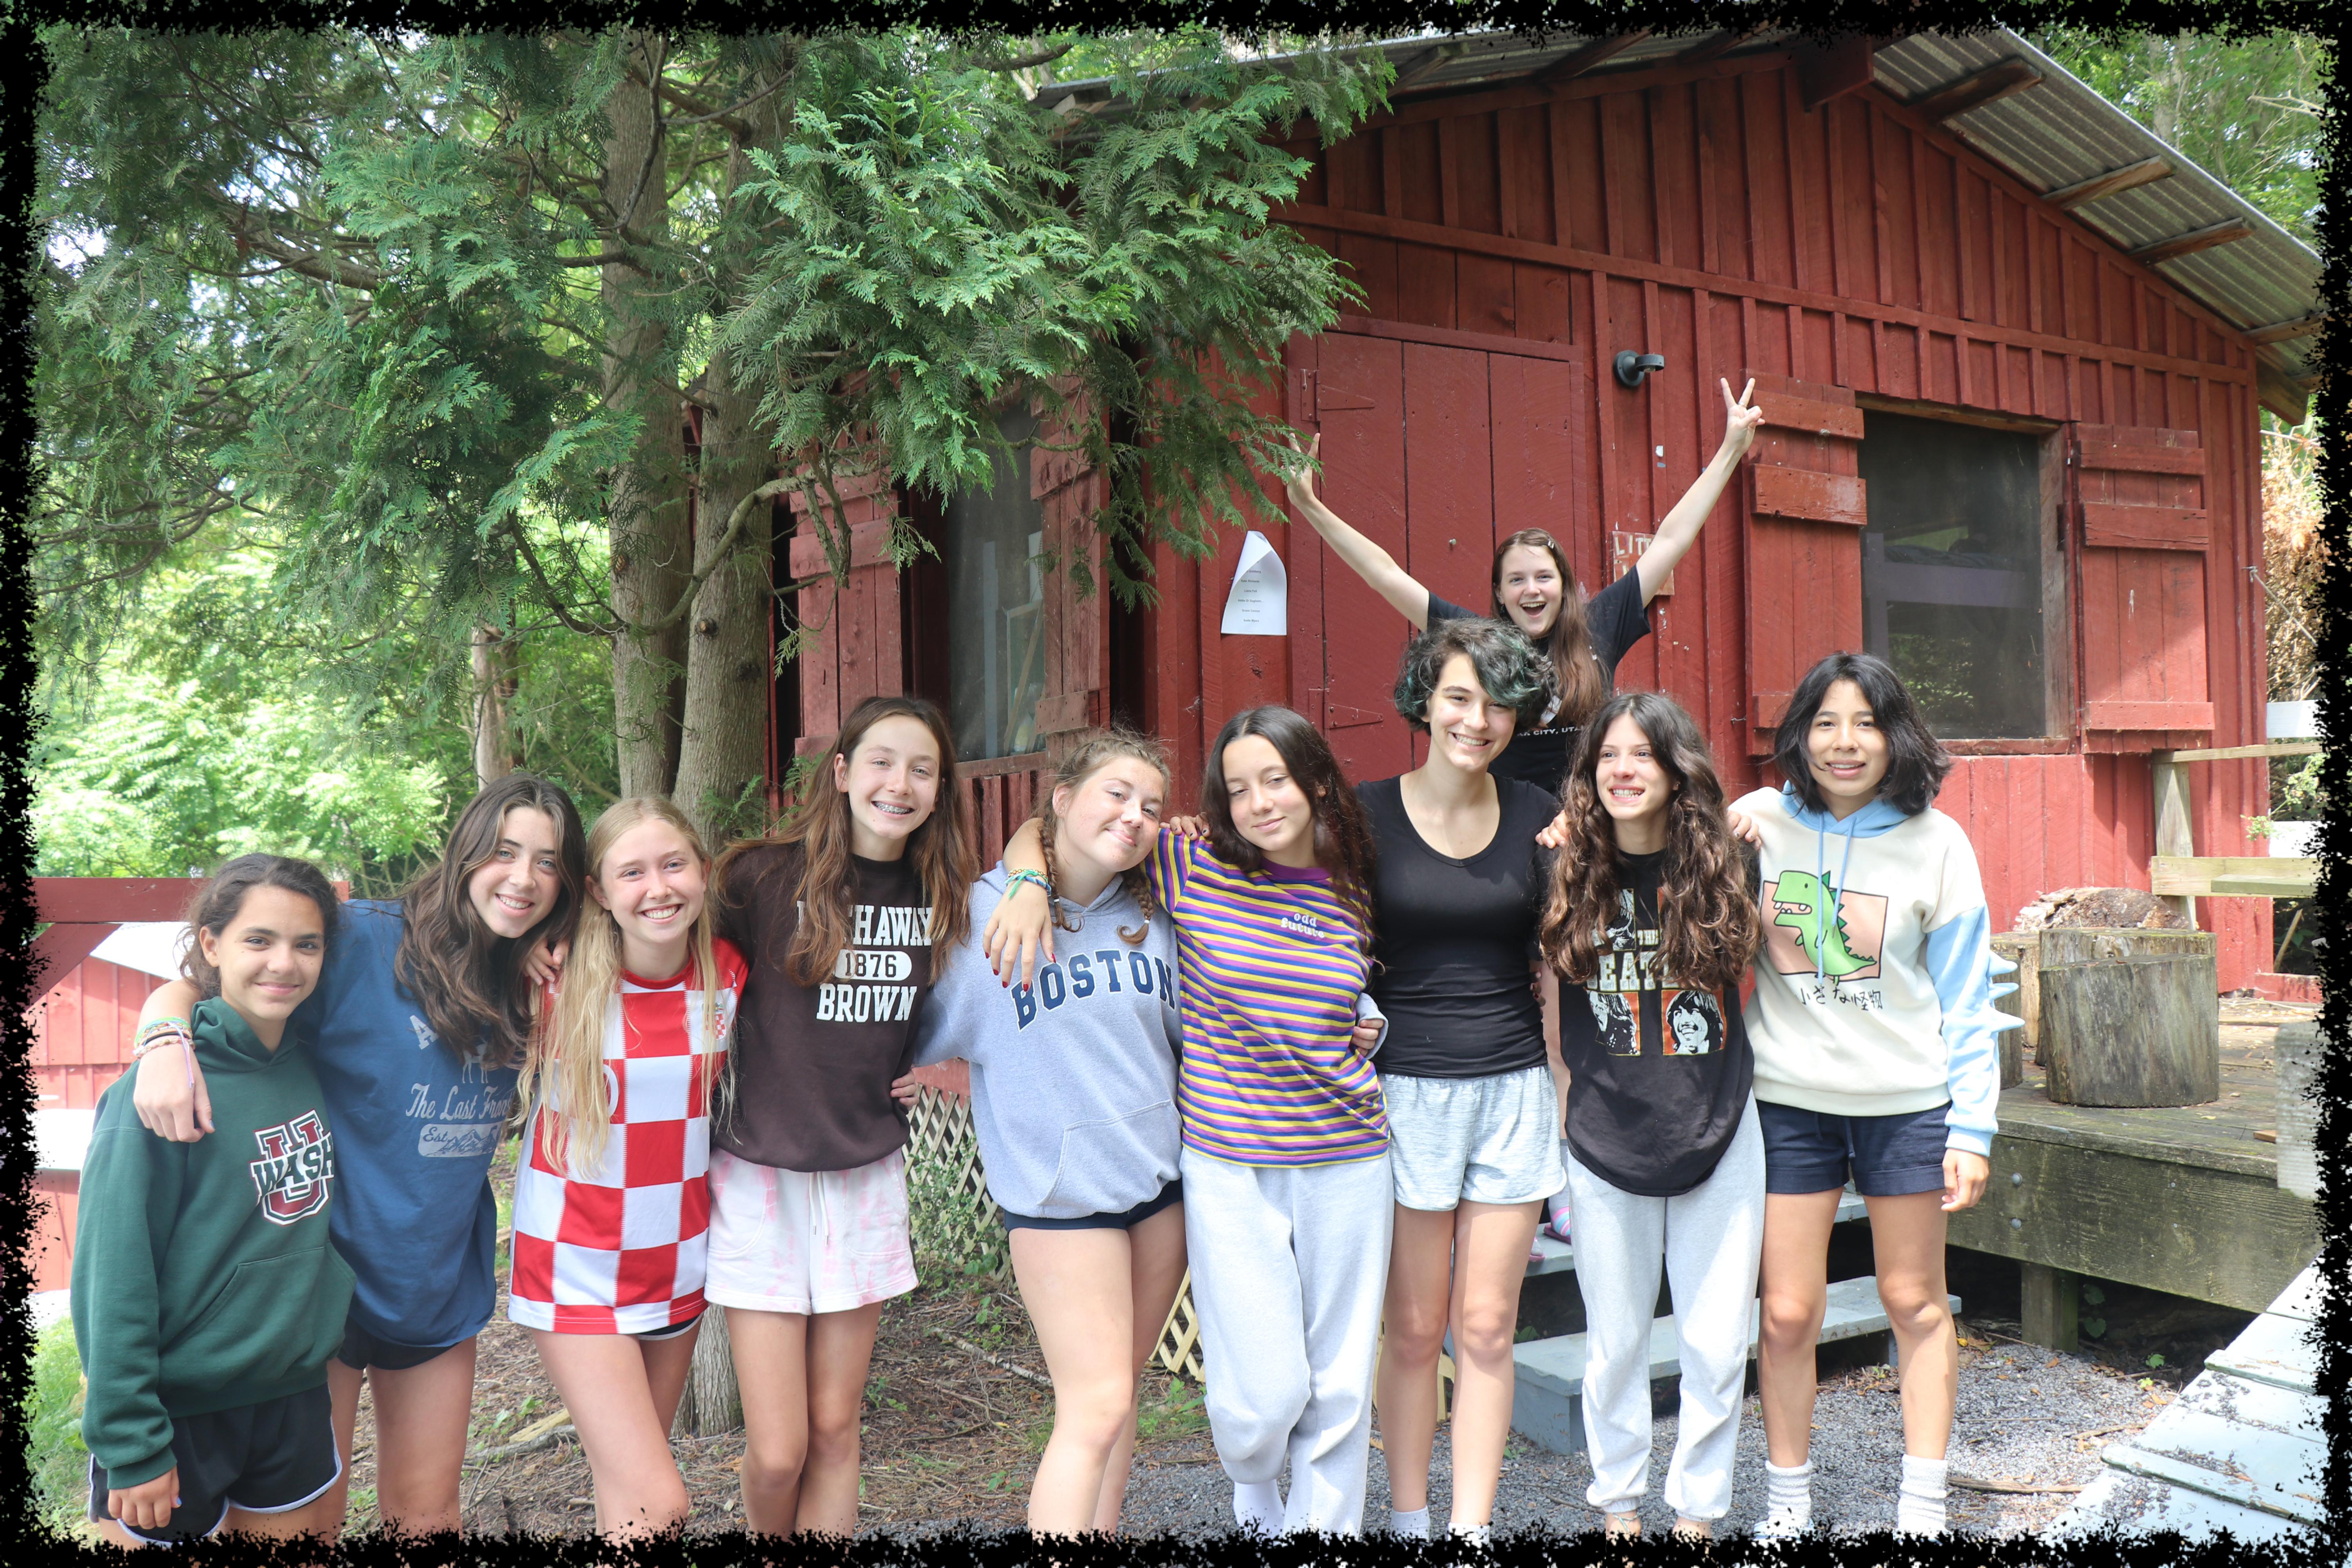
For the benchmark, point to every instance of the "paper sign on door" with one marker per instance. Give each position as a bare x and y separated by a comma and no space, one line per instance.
1259,603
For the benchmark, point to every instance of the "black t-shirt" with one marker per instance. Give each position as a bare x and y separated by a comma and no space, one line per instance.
1617,619
1659,1075
1455,940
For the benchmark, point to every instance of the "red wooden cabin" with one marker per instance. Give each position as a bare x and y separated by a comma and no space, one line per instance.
2011,352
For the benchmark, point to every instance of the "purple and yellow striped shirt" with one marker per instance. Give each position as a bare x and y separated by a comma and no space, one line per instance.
1271,962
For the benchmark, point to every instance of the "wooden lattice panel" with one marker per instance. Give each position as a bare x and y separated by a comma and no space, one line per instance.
1180,1336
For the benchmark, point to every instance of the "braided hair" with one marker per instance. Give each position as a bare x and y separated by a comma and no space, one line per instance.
1078,764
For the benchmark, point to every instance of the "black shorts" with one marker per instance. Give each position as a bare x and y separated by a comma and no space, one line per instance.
1167,1197
362,1349
1888,1156
271,1457
655,1336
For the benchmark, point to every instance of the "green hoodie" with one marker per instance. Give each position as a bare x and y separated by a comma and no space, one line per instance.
202,1278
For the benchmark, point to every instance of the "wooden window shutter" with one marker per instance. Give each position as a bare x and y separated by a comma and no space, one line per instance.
1804,509
2137,495
856,651
1068,491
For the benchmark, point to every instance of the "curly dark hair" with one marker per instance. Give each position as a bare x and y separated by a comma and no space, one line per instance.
1343,832
216,903
1711,928
1915,761
1510,669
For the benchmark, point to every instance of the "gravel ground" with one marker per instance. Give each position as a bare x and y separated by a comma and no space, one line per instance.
2025,1417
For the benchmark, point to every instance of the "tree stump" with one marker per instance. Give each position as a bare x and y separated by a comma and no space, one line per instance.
2130,1016
2024,949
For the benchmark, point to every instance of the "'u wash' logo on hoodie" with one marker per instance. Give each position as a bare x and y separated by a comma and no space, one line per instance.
298,1159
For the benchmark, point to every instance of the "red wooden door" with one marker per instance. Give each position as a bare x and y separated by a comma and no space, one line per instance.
1430,451
2139,502
1804,511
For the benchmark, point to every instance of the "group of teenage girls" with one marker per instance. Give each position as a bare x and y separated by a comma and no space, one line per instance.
1334,1047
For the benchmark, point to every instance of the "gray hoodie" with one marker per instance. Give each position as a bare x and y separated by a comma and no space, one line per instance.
1073,1079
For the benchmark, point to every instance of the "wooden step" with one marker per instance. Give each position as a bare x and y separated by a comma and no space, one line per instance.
1548,1402
1559,1256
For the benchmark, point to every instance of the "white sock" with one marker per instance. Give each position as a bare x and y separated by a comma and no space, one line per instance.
1414,1524
1920,1506
1258,1503
1476,1535
1788,1495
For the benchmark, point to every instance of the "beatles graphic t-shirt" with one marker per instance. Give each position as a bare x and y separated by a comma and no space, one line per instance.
1659,1074
814,1064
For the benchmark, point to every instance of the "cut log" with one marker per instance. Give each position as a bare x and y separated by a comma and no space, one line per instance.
2022,948
2300,1050
2130,1016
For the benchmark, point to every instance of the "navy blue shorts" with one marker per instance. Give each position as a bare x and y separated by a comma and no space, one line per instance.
361,1350
1167,1197
1888,1156
270,1457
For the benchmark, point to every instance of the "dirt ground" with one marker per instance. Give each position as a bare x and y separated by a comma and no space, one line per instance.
948,1434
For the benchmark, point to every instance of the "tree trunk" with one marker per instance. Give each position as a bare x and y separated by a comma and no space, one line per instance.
723,753
646,508
723,744
493,659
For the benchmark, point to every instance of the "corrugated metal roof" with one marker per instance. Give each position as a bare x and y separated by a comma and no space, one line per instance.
2050,136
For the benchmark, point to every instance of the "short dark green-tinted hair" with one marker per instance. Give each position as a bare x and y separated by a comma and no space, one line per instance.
1510,669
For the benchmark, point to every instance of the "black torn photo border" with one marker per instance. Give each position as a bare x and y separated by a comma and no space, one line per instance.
26,1543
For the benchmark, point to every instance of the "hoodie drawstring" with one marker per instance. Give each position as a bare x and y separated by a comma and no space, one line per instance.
1832,896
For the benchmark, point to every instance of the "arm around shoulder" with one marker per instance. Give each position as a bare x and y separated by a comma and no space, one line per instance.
168,1091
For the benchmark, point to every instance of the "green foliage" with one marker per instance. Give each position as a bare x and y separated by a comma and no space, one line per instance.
54,1450
1178,1412
2243,108
954,1235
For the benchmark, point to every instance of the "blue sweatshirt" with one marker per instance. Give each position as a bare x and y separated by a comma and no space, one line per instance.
1875,989
416,1129
1073,1079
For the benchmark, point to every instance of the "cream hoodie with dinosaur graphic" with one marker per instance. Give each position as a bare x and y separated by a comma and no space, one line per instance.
1875,988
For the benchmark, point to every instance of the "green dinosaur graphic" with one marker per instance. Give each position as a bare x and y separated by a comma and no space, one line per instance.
1803,903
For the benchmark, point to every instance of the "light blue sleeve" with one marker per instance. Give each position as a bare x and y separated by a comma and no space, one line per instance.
1961,963
953,1016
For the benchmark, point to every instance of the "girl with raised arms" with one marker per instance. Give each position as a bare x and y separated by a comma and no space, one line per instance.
1651,923
1875,1031
1536,590
420,1019
610,1198
1074,1097
1284,1163
846,917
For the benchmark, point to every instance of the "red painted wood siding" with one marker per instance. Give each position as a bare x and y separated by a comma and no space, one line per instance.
1705,215
83,1029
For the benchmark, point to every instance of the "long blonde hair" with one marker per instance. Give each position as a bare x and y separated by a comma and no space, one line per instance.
1079,764
567,1057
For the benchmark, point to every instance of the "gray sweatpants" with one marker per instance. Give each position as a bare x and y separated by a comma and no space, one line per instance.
1289,1263
1711,1237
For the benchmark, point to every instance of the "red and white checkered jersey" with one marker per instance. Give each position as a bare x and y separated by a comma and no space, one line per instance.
621,1249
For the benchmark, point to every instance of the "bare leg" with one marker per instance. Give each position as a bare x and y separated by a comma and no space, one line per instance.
1490,1263
1156,1264
1907,1243
614,1388
421,1418
772,1369
1412,1322
840,1349
1793,1288
1078,1286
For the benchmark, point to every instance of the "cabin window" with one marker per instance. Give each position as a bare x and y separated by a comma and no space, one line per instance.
1953,570
994,597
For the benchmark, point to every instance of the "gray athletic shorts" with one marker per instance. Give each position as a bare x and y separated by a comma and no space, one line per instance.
1488,1140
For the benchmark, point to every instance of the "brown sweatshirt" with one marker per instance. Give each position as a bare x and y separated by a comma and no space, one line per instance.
814,1064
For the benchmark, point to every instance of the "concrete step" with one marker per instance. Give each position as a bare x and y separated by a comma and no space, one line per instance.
1557,1257
1548,1402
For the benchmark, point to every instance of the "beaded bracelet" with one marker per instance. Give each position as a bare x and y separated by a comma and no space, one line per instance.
1014,878
160,1031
